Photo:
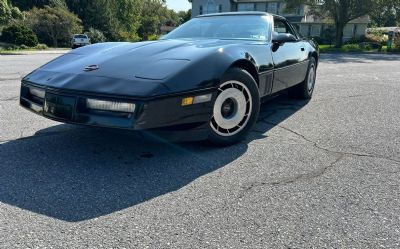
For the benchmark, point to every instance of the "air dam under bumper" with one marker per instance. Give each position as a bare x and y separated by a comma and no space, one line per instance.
162,115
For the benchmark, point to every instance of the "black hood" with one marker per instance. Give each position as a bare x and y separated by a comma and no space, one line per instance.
127,68
129,60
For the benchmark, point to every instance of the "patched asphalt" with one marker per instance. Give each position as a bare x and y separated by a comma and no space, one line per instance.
318,174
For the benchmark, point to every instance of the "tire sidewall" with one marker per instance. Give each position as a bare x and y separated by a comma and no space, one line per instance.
306,92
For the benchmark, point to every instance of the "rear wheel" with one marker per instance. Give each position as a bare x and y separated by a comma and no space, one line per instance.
236,108
305,89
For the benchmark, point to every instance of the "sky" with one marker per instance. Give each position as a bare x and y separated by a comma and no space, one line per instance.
179,5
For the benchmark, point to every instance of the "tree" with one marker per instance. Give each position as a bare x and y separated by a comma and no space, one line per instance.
8,12
154,14
340,11
386,13
95,35
29,4
53,26
184,16
118,20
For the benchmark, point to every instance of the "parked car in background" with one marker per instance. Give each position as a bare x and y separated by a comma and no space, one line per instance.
80,40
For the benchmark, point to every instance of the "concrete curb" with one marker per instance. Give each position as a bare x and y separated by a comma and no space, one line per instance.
34,52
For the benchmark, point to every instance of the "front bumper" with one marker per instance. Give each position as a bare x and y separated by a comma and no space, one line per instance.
163,114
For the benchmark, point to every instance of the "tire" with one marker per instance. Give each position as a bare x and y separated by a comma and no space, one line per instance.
236,108
305,89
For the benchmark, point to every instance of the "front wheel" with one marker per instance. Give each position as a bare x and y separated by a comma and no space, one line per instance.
236,108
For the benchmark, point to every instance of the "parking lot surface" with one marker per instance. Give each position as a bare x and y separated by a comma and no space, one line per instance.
322,174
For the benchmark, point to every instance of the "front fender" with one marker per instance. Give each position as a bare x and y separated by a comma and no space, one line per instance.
206,71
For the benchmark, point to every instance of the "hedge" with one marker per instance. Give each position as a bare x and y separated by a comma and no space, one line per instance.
19,35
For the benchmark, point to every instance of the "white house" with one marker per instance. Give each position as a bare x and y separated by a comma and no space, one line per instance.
307,24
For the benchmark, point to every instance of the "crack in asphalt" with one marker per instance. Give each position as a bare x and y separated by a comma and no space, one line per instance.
7,79
315,173
292,179
307,176
9,99
345,97
315,144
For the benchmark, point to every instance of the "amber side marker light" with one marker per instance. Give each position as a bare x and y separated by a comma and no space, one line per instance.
196,100
187,101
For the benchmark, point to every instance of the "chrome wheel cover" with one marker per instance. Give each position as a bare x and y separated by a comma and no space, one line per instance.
311,79
232,108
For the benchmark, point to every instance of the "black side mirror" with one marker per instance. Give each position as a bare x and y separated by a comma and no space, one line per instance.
281,38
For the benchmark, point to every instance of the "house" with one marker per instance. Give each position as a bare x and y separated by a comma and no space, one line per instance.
308,25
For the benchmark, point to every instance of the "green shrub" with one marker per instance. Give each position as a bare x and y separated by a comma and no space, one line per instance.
96,35
19,35
41,46
23,47
351,47
153,37
354,40
328,36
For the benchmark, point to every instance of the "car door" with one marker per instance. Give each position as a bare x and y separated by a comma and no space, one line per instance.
290,59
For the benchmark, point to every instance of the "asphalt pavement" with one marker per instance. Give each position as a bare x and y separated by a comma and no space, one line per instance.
317,174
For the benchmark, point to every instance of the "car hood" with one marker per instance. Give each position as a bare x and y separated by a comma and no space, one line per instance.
114,67
150,60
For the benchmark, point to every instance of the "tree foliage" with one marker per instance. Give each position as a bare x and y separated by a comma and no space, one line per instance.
29,4
184,16
96,35
340,11
8,12
116,20
19,35
53,26
154,15
386,13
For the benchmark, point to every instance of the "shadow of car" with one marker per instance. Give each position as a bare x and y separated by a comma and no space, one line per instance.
77,173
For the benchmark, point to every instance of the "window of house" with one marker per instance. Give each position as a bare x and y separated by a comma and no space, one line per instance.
220,8
304,29
201,10
272,7
315,30
211,7
246,6
281,8
348,30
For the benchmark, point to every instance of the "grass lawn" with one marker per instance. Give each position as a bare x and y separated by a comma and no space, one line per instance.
351,48
30,50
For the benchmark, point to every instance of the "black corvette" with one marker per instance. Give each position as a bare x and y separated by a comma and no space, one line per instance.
203,80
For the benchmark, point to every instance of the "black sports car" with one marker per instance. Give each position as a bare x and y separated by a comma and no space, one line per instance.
206,78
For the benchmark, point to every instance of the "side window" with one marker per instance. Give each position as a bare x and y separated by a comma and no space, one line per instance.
281,26
296,29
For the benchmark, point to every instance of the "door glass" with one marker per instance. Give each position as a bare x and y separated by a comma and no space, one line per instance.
282,27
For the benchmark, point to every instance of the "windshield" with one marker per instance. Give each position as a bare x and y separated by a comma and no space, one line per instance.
247,27
80,36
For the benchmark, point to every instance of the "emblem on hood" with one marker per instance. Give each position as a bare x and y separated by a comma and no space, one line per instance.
91,68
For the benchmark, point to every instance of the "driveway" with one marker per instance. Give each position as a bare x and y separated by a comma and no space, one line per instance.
324,173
